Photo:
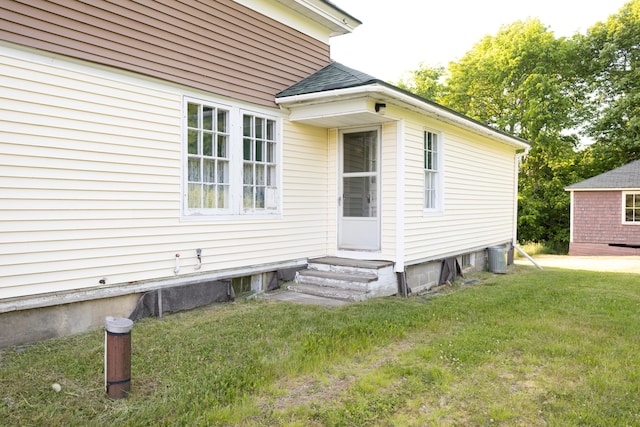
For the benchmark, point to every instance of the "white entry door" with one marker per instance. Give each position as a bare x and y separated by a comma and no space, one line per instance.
359,190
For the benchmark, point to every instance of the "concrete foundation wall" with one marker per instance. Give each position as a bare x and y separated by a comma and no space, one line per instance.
422,277
600,249
38,324
24,326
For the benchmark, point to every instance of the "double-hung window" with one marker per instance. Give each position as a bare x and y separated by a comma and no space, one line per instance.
231,162
631,208
259,163
208,162
431,170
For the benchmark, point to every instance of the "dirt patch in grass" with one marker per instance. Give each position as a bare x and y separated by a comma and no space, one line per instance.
307,390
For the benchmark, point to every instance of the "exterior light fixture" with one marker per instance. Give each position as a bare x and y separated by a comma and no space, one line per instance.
381,107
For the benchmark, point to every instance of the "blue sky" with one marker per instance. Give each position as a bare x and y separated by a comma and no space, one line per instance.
396,36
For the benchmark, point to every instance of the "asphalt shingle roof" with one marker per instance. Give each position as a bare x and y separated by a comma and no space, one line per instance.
333,76
626,176
337,76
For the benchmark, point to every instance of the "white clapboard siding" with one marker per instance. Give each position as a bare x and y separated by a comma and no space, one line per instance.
90,183
478,190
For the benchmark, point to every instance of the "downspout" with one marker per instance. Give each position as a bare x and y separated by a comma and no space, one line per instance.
399,264
518,162
516,172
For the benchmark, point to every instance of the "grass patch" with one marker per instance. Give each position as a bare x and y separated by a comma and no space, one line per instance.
542,248
553,347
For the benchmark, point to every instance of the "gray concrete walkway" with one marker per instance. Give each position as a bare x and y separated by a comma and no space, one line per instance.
617,264
286,295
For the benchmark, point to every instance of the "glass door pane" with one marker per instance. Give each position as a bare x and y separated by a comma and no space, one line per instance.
360,152
360,197
359,174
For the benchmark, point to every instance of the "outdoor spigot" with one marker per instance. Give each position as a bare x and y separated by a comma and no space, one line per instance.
199,262
177,269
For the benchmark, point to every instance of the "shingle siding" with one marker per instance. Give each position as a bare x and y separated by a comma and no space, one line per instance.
597,222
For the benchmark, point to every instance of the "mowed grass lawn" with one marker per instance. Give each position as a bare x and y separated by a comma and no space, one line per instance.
530,348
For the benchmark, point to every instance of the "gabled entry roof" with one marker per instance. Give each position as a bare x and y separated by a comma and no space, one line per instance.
626,176
333,76
338,95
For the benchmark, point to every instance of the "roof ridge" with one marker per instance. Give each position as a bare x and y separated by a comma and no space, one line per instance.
625,176
353,72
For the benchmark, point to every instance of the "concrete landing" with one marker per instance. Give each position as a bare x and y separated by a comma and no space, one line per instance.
300,298
347,279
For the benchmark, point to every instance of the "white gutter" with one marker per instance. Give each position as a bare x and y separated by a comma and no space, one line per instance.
408,101
602,189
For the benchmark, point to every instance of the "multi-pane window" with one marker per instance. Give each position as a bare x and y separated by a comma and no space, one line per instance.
208,162
632,207
230,161
431,178
259,163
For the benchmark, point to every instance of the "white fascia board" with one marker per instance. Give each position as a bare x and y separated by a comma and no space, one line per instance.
335,19
402,100
629,189
311,17
341,107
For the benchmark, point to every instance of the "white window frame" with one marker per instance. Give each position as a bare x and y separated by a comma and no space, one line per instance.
271,188
470,257
235,209
436,172
636,207
187,156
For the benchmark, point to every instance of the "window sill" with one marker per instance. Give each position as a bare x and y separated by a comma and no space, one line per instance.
230,217
432,212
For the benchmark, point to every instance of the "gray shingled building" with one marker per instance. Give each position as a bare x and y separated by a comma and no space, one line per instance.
605,213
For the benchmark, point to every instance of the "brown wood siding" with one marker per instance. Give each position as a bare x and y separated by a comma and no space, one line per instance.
218,46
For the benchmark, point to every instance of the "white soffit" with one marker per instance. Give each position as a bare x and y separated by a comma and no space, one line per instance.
328,21
319,11
333,107
343,112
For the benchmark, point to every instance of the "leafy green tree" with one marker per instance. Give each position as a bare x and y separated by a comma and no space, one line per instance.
426,81
522,81
527,82
610,53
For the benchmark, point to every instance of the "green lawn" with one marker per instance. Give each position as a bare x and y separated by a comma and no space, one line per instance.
530,348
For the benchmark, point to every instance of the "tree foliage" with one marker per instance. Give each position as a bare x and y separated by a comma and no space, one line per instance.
426,81
610,53
517,81
544,89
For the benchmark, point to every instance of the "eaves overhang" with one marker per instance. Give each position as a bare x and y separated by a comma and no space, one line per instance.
631,189
356,105
326,13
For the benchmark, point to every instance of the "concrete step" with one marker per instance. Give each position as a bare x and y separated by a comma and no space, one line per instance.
355,282
329,292
346,279
348,266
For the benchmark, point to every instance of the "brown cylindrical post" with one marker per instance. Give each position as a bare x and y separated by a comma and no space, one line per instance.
117,357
